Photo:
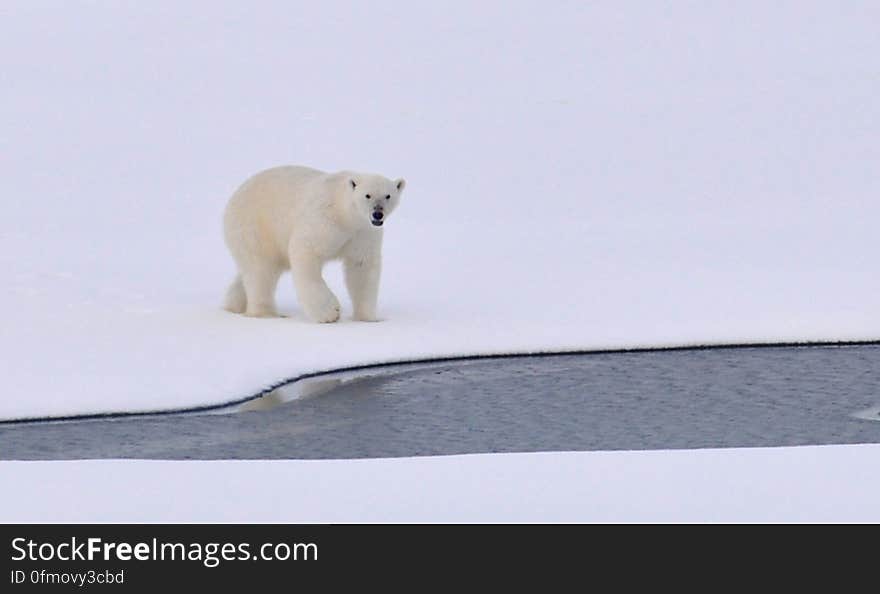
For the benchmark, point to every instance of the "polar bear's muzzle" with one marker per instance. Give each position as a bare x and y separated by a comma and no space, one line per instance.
378,218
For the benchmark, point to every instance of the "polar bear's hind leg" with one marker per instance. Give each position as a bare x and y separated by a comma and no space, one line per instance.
259,288
236,300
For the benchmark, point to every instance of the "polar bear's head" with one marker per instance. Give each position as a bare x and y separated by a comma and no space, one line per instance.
374,196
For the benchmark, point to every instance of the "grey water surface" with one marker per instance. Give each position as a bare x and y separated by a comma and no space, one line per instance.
721,397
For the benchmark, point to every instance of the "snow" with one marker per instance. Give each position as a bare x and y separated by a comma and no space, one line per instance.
586,176
800,484
581,175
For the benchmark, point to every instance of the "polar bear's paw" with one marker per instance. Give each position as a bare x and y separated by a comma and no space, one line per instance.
261,312
365,316
324,310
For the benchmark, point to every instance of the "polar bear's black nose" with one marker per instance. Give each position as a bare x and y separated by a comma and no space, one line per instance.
377,215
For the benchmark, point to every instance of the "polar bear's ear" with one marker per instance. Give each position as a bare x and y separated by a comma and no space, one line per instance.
353,184
401,184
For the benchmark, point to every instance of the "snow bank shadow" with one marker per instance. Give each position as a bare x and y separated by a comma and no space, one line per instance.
313,387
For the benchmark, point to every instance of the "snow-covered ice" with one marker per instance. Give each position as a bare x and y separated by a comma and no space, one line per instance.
580,175
793,484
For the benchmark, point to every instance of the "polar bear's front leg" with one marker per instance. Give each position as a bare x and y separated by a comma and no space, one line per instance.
315,297
362,273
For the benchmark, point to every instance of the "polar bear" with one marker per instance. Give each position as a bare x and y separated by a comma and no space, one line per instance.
298,218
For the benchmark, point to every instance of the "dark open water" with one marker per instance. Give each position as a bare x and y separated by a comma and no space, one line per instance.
648,400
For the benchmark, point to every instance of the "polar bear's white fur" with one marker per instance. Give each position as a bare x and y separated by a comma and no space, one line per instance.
299,218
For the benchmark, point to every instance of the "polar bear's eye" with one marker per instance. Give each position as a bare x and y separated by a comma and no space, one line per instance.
387,196
368,196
